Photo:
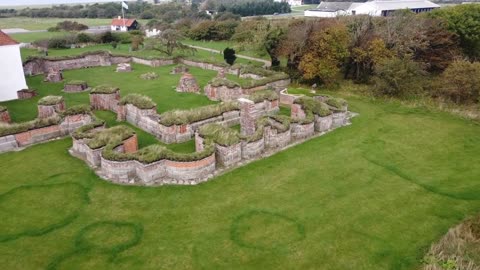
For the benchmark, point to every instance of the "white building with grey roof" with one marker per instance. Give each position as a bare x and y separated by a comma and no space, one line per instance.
372,8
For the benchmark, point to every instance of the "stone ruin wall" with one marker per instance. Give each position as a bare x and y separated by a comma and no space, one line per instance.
195,172
105,101
5,117
39,135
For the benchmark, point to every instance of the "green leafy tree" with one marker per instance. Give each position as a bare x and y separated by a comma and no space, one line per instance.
168,42
327,50
398,77
464,20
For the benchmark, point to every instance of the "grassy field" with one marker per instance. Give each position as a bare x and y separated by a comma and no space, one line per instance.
372,195
33,36
45,23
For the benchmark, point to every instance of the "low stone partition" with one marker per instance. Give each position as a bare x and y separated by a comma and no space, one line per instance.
60,128
323,124
105,97
188,84
223,92
287,99
26,93
209,66
50,106
37,65
4,115
339,119
228,155
124,67
154,62
276,139
53,76
253,149
75,86
302,131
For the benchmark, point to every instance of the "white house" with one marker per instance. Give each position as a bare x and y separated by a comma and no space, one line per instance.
372,8
12,78
123,25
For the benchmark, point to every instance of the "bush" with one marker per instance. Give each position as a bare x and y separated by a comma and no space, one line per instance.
71,26
139,101
9,129
149,76
259,96
84,38
53,29
106,136
50,100
104,89
178,117
460,82
337,103
219,134
77,109
212,30
229,56
216,82
398,77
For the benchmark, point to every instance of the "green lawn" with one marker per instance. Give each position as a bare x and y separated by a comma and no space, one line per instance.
45,23
372,195
31,37
161,90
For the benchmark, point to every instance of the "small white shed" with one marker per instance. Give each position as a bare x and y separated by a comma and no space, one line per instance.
12,77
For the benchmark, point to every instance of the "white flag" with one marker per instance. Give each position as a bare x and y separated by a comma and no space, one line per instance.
124,5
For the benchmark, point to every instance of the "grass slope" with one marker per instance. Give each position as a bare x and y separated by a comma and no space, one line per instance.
372,195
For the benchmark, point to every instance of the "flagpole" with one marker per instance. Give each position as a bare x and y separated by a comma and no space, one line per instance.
123,17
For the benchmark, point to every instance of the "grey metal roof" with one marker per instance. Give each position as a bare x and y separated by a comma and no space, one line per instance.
334,6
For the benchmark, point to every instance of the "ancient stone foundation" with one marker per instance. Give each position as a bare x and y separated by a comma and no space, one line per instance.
107,101
54,76
30,137
124,67
4,116
179,70
188,84
45,111
223,92
26,93
75,87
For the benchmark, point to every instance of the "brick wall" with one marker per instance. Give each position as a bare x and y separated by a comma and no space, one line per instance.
105,101
228,155
323,124
302,131
5,117
222,93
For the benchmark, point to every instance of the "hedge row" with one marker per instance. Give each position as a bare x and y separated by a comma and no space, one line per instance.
76,109
182,117
337,103
50,100
9,129
259,96
219,134
104,89
139,101
216,82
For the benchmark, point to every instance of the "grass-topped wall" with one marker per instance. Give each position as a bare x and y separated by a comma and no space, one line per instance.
182,117
139,101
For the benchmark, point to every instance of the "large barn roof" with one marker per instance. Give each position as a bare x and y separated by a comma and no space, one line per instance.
6,39
401,4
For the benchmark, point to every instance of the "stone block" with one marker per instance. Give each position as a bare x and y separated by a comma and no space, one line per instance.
124,67
26,93
188,84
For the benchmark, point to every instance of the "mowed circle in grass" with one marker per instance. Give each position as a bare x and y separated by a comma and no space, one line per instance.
39,209
109,236
266,230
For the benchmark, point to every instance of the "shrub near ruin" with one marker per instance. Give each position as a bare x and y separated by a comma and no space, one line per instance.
139,101
178,117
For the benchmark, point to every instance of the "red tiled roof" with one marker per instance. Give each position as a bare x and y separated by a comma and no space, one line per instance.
6,39
122,22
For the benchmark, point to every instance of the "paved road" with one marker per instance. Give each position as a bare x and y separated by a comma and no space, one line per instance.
266,63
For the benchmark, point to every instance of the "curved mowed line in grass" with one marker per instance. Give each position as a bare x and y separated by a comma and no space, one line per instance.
36,210
265,230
